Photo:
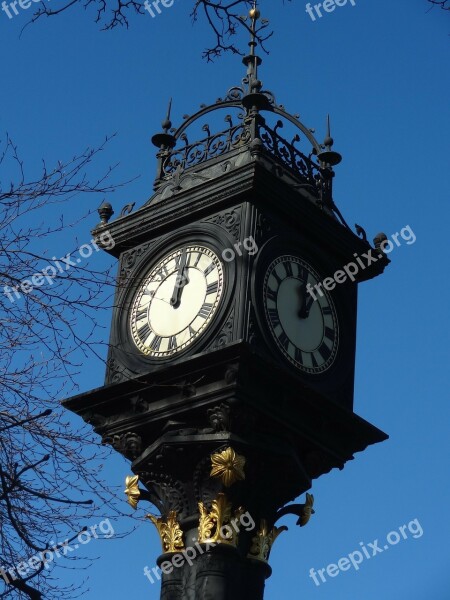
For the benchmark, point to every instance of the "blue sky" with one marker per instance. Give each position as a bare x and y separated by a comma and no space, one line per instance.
381,70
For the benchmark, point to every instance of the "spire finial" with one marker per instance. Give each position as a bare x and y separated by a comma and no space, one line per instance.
329,156
167,124
252,61
328,142
254,15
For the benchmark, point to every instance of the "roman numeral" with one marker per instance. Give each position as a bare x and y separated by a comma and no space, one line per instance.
162,273
143,332
302,273
277,277
173,342
205,310
326,310
324,352
156,343
330,334
273,316
284,340
271,294
314,361
212,288
298,355
208,269
197,260
192,331
141,313
288,268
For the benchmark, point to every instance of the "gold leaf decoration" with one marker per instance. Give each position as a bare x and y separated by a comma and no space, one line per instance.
307,510
169,531
132,490
228,465
217,525
263,541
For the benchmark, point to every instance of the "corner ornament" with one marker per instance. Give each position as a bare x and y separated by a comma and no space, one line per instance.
216,525
228,465
169,531
302,511
263,541
132,490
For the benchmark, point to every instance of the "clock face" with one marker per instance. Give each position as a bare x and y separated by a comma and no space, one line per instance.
304,329
176,301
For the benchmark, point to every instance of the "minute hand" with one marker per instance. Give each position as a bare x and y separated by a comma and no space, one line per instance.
180,281
307,301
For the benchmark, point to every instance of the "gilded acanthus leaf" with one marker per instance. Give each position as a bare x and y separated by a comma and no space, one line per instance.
263,541
169,531
228,465
214,526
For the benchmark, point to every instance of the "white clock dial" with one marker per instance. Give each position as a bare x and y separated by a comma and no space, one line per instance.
176,301
304,329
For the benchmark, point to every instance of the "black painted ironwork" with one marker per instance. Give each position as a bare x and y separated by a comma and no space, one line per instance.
312,166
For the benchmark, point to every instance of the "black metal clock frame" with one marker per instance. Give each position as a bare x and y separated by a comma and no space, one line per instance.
228,423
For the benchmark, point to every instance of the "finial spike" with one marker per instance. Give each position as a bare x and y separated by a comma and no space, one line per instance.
167,124
328,142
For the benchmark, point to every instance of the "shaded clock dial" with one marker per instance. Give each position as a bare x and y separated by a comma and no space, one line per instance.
305,330
176,301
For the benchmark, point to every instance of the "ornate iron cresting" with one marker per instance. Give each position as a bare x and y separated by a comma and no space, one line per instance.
313,167
203,150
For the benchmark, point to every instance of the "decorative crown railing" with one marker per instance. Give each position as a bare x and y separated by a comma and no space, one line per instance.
206,149
239,136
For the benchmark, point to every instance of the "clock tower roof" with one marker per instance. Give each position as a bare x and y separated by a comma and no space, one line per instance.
252,132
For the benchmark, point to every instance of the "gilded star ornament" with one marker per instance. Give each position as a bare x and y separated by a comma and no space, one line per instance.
228,465
132,490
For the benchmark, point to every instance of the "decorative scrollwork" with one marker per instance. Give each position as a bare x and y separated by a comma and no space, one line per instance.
127,209
289,155
230,221
211,147
235,93
129,260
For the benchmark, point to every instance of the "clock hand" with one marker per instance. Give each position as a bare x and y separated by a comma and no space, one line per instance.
180,281
307,301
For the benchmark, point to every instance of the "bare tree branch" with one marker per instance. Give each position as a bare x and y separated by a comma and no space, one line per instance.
444,4
224,18
50,472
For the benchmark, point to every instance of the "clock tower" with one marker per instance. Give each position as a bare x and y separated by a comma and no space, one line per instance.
230,371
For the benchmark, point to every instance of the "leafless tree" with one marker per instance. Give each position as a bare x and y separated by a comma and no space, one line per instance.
444,4
50,482
225,18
